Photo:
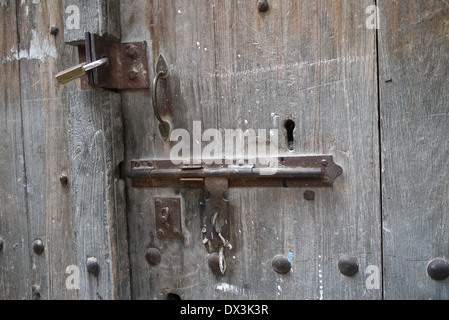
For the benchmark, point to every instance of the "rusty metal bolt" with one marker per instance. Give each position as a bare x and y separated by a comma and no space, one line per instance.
281,264
132,75
214,261
132,51
324,163
153,256
263,6
438,270
348,266
177,232
38,246
309,195
92,265
160,233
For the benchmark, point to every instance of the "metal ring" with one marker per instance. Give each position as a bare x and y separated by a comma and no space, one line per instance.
164,126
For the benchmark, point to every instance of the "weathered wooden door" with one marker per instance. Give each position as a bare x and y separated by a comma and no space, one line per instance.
233,67
363,81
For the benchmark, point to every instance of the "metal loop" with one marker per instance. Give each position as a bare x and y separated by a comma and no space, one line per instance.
164,126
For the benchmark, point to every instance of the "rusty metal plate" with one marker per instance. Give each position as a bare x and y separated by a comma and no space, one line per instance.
128,64
168,218
309,171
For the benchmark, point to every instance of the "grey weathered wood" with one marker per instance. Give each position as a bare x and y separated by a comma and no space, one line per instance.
101,17
45,121
233,67
414,81
99,221
183,32
35,203
15,265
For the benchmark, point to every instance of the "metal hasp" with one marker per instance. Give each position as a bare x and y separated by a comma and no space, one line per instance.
216,177
127,66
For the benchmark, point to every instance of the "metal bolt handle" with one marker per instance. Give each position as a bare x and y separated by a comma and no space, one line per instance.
161,73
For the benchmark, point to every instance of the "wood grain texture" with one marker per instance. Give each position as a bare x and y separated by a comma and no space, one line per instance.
35,203
413,45
183,32
45,122
101,17
15,264
233,67
99,221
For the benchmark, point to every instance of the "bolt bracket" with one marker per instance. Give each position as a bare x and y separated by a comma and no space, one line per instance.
168,218
127,67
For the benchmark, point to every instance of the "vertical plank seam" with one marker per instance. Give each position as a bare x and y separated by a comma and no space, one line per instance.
379,111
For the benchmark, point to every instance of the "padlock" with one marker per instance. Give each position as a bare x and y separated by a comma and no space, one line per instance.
79,70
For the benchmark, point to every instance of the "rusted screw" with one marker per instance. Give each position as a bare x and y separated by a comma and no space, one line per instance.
177,232
160,233
348,266
263,6
132,51
132,75
38,246
281,264
153,256
324,163
438,270
309,195
214,261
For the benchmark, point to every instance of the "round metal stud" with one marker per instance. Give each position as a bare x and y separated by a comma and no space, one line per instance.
438,270
153,256
38,246
92,265
348,266
281,264
63,178
263,5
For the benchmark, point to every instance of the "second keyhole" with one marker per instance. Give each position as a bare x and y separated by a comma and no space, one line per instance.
290,126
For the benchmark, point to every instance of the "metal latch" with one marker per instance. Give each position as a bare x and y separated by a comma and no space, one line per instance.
216,178
109,65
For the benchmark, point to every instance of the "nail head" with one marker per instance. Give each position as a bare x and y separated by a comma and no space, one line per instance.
438,270
153,256
348,266
38,246
281,264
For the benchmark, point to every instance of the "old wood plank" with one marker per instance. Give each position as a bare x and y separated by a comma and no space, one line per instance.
183,32
99,223
46,158
414,82
15,267
101,17
97,152
314,63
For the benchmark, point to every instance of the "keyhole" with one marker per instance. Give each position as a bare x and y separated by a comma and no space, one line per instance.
290,127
